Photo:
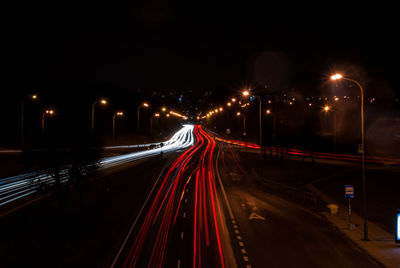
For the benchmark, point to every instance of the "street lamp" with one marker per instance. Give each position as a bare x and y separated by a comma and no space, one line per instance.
326,110
269,112
33,97
164,109
247,93
144,104
46,112
116,114
336,77
102,101
151,120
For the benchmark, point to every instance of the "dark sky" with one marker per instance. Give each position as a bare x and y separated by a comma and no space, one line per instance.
170,44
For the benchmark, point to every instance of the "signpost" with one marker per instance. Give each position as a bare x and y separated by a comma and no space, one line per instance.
349,194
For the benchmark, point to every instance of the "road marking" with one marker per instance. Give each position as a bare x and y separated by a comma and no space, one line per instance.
241,244
185,200
181,235
178,265
245,258
184,214
239,237
233,221
137,217
243,251
235,226
236,232
248,266
255,216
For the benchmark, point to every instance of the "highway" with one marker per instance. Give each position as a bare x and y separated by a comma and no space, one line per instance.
199,207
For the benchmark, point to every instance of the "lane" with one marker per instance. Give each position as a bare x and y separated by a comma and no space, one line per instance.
18,187
272,232
185,224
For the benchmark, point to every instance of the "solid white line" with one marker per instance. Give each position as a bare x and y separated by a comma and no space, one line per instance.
137,217
228,205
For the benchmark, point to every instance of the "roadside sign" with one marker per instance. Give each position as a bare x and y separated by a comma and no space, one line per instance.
397,226
349,191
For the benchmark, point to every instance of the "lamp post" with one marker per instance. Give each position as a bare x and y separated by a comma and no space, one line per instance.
144,104
116,114
102,101
247,93
336,77
326,110
46,112
151,121
33,97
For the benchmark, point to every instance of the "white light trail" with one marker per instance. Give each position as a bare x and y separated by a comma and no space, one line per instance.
16,187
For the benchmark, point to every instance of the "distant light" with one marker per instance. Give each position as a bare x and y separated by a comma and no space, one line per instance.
163,109
233,100
167,115
269,101
216,110
49,111
290,103
220,108
268,111
120,113
34,96
246,93
238,113
336,77
336,98
229,104
157,115
326,108
103,101
145,104
310,104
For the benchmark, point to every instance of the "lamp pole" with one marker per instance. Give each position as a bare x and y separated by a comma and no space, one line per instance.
93,106
338,77
50,112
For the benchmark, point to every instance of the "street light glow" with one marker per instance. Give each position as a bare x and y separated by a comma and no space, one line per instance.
233,100
220,108
246,93
34,96
326,108
157,115
103,101
336,77
268,111
238,113
49,111
120,113
145,104
229,104
163,109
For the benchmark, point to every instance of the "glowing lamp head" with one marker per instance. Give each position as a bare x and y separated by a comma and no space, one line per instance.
216,110
120,113
145,104
103,101
34,96
157,115
336,77
326,108
49,111
246,93
167,115
229,104
163,109
221,109
233,99
268,111
238,113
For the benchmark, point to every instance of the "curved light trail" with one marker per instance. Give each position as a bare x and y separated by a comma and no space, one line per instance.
17,187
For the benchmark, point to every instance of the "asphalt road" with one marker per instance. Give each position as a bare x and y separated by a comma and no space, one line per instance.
273,232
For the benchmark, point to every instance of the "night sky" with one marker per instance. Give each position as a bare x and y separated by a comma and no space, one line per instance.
141,48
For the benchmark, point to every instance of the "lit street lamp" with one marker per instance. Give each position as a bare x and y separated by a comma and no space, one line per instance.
326,110
144,104
47,112
151,120
338,77
116,114
247,93
33,97
102,101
